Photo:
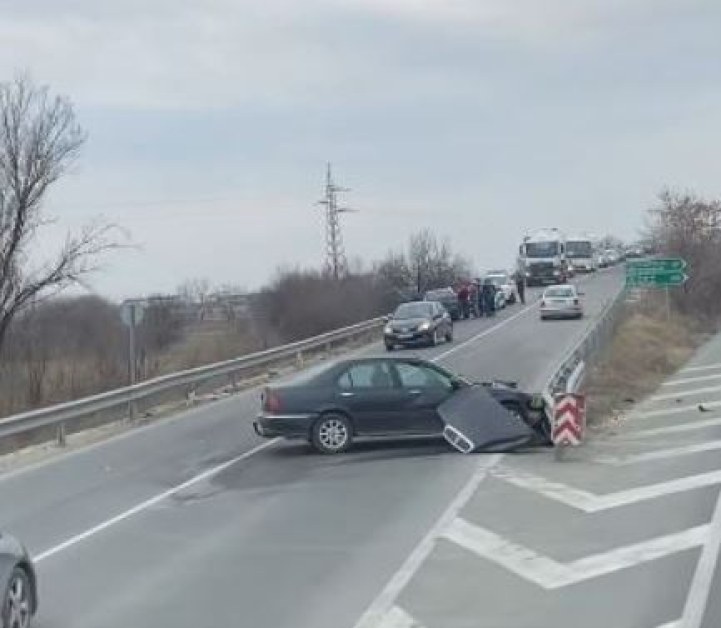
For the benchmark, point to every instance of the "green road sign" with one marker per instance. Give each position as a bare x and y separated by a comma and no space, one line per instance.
661,279
667,264
656,272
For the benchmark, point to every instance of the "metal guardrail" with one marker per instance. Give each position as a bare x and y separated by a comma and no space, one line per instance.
62,414
568,377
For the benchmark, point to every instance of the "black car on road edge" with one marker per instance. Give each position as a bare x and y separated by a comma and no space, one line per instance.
332,404
418,323
18,584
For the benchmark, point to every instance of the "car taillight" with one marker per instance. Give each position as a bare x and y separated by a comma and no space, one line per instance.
271,401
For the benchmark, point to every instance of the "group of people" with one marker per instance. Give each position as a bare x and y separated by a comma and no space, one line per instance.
478,298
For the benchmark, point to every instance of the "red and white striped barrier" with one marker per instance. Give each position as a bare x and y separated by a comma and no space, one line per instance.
569,419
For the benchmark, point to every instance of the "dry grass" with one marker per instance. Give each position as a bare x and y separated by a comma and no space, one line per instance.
646,349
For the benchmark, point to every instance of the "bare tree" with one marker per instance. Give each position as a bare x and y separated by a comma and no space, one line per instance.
39,140
196,291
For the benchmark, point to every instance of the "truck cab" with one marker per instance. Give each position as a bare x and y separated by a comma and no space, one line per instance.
542,258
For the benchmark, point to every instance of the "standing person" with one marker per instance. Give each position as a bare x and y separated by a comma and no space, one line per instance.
489,297
480,304
520,286
463,300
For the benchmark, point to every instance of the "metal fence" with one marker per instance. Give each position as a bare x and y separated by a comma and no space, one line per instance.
571,371
65,415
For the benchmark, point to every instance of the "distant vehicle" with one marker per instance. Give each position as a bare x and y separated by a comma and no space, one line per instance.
503,282
448,298
418,323
582,254
612,256
635,252
542,258
561,302
18,586
377,396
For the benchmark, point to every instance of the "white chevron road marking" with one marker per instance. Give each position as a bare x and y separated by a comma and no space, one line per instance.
660,454
590,502
551,574
674,429
398,618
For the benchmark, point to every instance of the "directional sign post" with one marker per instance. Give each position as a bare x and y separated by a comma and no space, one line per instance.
656,273
131,313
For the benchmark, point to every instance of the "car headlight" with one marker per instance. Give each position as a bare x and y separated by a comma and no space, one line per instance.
425,326
388,329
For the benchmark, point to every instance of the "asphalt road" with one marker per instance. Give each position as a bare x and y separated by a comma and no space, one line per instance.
196,522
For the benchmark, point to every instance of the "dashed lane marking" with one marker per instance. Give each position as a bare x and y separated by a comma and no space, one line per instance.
551,574
680,394
653,414
691,380
696,369
674,429
590,502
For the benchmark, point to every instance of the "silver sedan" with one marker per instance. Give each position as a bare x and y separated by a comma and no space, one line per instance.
561,302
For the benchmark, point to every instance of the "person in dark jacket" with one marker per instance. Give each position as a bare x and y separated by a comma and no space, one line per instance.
489,297
520,286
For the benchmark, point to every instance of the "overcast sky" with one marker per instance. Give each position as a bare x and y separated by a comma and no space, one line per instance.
210,122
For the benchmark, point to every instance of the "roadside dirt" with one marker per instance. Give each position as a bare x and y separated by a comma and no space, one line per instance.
648,347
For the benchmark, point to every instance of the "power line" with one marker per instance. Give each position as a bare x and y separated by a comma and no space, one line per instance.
335,258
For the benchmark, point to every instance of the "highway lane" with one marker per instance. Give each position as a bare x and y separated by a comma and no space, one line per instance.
284,538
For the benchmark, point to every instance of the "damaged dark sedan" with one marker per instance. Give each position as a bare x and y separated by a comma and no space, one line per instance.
18,588
335,403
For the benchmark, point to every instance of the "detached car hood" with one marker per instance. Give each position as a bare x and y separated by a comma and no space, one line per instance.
476,422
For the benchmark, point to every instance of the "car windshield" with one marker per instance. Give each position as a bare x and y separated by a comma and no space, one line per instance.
579,249
437,295
414,310
560,292
541,249
498,280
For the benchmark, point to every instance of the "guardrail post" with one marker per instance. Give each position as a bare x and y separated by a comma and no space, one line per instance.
132,410
299,359
61,434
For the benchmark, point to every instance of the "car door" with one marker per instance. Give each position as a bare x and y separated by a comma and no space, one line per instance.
369,393
424,389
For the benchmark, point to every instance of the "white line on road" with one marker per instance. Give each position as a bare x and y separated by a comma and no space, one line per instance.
148,503
484,333
695,607
695,369
551,574
590,502
383,603
691,380
660,454
680,394
398,618
674,429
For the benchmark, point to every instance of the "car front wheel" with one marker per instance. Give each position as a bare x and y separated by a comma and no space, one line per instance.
332,434
17,602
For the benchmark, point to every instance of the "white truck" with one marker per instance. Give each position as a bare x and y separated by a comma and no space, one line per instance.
582,253
542,258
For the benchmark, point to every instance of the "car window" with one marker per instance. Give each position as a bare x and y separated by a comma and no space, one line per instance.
413,310
367,375
416,376
560,292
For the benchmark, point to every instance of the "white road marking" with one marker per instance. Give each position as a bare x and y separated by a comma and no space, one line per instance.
148,503
691,380
671,624
652,414
674,429
695,369
398,618
551,574
485,332
695,607
590,502
660,454
680,394
383,603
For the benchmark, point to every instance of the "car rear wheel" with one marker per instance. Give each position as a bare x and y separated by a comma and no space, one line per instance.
390,346
17,602
332,434
449,335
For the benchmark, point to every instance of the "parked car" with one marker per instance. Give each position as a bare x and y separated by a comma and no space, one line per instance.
561,302
503,282
418,323
378,397
448,298
18,584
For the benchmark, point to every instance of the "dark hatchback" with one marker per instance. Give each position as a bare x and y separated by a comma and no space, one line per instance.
333,404
448,298
418,323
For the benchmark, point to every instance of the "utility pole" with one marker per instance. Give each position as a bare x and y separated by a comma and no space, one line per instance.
335,261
